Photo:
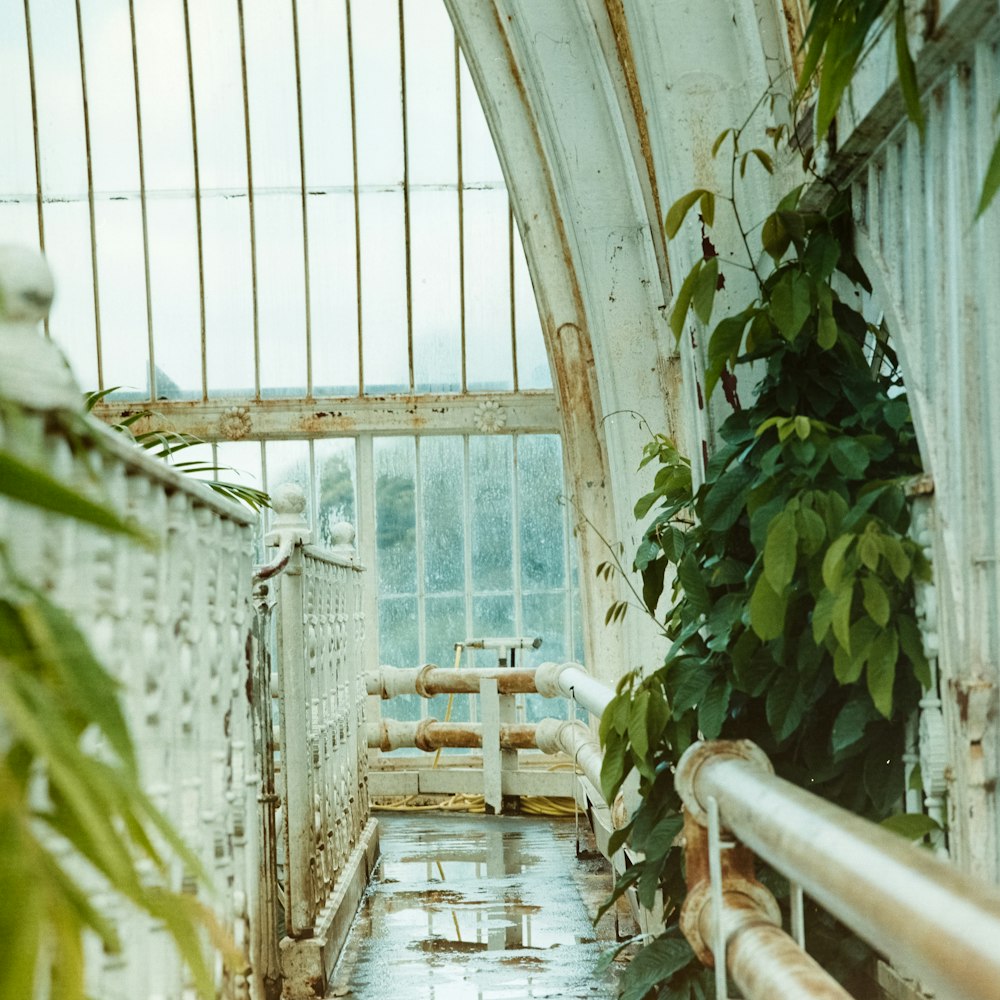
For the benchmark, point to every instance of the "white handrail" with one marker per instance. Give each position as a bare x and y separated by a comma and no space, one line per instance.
932,920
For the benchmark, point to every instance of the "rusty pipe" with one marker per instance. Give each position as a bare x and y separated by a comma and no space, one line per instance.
429,735
929,918
430,680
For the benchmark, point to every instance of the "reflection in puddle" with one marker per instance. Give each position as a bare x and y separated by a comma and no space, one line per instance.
474,908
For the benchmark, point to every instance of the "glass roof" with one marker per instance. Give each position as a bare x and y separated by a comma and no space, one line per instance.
263,198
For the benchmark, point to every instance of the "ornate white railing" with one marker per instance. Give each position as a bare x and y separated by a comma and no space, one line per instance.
170,621
311,621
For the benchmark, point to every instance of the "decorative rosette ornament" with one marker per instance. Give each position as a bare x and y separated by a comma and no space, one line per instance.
490,416
235,423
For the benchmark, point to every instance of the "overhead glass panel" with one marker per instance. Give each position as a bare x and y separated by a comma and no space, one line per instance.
437,306
71,321
326,94
489,358
114,146
61,136
175,297
218,88
383,293
281,294
19,223
377,92
17,164
121,273
271,94
333,293
480,165
533,371
229,311
164,97
432,147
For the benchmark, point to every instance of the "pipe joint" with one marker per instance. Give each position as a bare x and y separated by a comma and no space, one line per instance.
547,678
708,751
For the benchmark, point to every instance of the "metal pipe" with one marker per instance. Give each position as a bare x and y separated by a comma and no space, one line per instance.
570,680
429,734
430,680
927,917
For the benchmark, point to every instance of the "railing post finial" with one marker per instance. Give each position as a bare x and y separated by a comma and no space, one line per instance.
342,540
289,504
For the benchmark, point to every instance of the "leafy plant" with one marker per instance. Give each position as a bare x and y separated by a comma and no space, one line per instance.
790,571
69,783
164,444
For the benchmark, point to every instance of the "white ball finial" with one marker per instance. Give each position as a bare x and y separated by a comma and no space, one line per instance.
26,285
289,498
342,540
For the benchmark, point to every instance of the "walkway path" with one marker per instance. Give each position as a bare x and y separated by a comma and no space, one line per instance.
477,908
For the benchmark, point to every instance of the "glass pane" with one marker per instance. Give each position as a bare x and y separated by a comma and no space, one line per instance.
479,156
218,79
437,324
326,97
442,471
173,280
61,141
487,292
333,292
274,115
491,515
492,616
288,462
240,462
281,294
541,497
383,293
67,246
19,224
228,303
107,40
164,96
545,615
124,328
17,165
395,516
445,625
397,617
336,475
430,94
377,90
533,370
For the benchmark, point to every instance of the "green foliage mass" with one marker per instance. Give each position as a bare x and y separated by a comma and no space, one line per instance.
790,572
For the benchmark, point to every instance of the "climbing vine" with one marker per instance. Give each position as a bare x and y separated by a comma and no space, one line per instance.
789,568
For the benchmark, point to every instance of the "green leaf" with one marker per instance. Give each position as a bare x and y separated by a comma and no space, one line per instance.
719,140
840,616
638,731
780,551
656,963
790,303
912,826
875,600
820,260
713,707
991,182
680,310
32,486
912,644
725,500
833,561
849,726
679,209
703,295
767,610
774,237
882,670
849,457
786,704
614,767
907,71
689,575
766,162
663,836
708,209
724,347
691,680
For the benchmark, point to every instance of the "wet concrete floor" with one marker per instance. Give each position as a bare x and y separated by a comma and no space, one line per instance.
477,908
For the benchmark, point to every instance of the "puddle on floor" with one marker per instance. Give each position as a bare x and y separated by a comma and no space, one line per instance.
474,908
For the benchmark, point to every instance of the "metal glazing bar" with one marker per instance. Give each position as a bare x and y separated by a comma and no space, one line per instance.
253,219
90,198
460,193
357,197
305,210
515,541
935,922
34,130
197,203
421,555
510,282
142,202
467,538
406,195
